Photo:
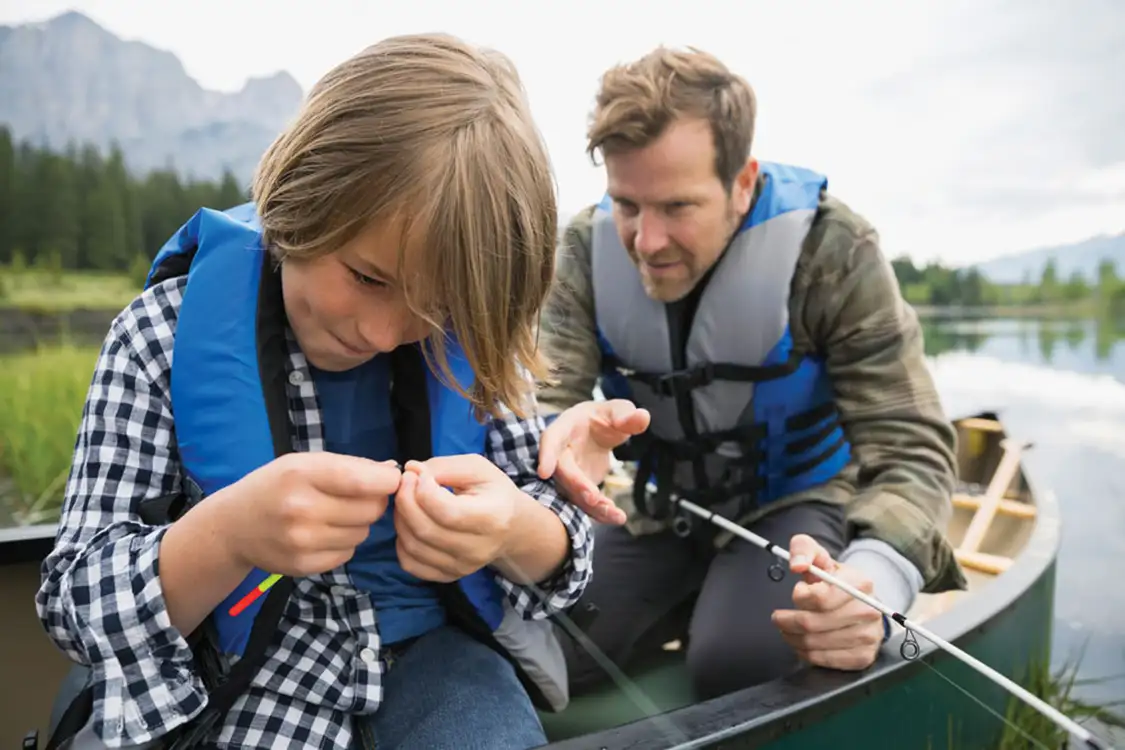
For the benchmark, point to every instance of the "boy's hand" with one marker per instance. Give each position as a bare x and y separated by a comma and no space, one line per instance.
305,513
443,536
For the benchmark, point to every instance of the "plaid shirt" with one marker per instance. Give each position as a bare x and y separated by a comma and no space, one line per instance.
101,599
844,305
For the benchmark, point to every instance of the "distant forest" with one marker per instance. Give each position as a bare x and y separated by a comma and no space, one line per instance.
79,210
939,286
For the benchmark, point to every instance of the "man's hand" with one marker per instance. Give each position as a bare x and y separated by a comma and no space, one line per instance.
576,447
829,628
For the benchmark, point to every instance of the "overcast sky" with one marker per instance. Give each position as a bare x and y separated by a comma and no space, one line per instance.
963,129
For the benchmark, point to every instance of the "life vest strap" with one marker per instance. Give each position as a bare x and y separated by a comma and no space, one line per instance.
657,459
684,381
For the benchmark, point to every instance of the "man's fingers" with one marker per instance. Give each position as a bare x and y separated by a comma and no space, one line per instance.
863,636
571,473
803,551
552,442
803,621
608,512
819,596
800,621
617,421
848,660
815,594
584,494
629,418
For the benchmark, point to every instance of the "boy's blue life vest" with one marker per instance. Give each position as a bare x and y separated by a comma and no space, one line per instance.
739,417
229,398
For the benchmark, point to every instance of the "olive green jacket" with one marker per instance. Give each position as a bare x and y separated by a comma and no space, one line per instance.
845,305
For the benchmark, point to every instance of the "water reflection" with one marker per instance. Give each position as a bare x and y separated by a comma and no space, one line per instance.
22,330
1085,344
1061,385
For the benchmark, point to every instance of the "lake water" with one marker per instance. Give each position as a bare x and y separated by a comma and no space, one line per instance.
1060,385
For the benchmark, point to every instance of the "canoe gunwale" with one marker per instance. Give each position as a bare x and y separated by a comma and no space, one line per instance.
26,544
772,709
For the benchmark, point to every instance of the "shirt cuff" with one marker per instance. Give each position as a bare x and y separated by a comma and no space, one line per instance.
562,590
141,666
897,582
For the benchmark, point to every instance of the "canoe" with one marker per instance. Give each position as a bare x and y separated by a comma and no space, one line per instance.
1006,536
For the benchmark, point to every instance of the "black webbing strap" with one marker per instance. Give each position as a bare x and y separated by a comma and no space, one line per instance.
685,380
223,696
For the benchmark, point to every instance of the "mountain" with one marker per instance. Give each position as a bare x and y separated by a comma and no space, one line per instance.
1083,257
70,80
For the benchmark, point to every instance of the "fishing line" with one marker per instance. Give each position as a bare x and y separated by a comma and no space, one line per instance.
986,707
910,649
639,697
622,681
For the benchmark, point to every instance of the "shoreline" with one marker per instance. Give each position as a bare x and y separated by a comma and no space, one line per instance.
1079,311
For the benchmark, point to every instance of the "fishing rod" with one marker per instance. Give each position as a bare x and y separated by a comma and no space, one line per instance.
909,649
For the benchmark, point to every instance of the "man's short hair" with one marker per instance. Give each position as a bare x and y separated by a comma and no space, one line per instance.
637,101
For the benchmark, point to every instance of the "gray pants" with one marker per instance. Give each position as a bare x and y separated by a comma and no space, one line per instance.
654,588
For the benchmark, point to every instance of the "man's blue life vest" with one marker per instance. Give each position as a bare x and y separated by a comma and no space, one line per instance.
228,392
739,417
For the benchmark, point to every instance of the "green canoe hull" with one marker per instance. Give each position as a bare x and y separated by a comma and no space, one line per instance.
933,702
897,703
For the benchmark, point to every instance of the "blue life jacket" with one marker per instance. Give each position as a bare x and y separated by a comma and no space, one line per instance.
740,417
230,363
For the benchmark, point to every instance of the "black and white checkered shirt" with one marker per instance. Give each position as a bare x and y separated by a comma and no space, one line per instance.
101,599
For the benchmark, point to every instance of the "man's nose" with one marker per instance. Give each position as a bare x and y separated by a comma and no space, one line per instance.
651,237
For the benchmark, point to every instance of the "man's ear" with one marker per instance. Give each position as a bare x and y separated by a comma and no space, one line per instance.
742,191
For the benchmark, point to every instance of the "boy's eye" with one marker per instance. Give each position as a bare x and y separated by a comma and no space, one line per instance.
365,280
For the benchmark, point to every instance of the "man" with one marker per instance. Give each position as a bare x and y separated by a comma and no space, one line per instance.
754,321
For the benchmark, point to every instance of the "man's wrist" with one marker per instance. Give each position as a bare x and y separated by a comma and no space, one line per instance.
895,578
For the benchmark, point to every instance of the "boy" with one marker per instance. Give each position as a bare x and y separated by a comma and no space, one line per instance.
363,558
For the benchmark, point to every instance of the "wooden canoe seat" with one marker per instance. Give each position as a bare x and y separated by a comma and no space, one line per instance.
983,425
992,503
1013,508
983,561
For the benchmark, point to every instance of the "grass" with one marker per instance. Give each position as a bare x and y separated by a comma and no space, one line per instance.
41,397
45,290
1057,690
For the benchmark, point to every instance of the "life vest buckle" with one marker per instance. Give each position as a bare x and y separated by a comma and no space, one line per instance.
683,382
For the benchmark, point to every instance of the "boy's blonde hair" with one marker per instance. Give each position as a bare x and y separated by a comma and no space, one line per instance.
436,136
637,101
